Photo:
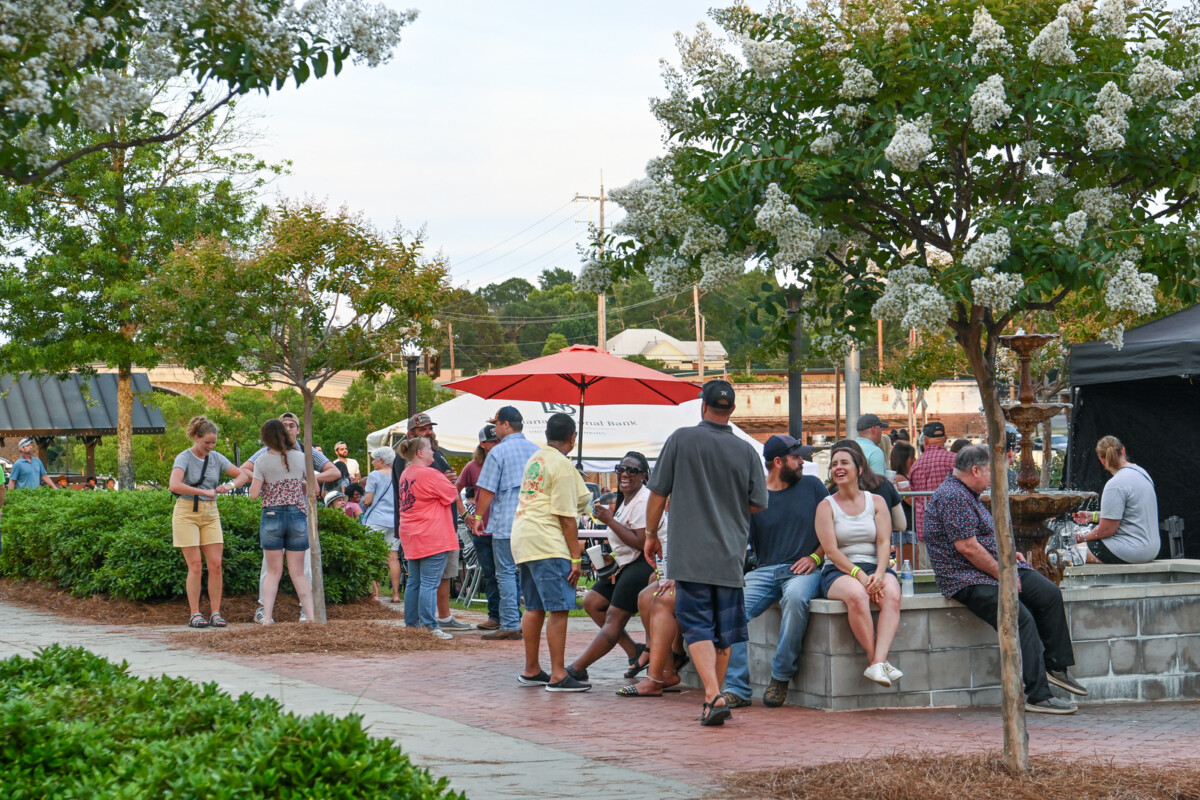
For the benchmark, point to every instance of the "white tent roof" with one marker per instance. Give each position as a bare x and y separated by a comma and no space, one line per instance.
609,431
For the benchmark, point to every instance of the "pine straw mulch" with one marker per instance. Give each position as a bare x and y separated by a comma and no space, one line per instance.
978,776
109,611
336,637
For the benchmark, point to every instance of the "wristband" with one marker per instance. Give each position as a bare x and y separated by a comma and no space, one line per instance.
854,572
1095,517
653,534
478,516
816,558
576,560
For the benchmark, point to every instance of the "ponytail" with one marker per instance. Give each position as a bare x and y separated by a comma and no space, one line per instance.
1110,451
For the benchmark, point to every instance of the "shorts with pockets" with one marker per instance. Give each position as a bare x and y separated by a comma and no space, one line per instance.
451,570
283,528
708,613
631,579
545,586
195,528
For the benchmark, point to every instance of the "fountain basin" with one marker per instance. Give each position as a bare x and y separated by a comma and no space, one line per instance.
1029,513
1030,415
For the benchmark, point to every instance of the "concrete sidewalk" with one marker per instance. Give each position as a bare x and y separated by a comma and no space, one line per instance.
480,763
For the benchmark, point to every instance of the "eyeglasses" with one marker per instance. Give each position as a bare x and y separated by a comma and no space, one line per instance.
621,468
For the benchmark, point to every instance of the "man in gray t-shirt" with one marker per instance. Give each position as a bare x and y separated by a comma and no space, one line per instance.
715,481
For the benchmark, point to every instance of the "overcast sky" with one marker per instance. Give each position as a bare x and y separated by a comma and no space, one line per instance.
489,119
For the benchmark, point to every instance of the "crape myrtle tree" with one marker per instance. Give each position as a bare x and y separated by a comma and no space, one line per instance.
82,65
316,293
948,165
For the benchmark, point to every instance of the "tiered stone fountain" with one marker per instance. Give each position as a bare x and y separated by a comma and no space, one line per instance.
1030,509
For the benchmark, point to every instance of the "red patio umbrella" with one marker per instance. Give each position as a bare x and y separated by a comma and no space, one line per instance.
581,374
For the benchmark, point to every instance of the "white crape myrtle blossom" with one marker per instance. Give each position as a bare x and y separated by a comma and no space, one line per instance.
1053,44
857,80
1110,18
851,115
1070,233
987,250
768,59
826,144
1101,204
997,290
1192,243
108,95
911,144
668,275
1128,289
701,237
1182,117
796,236
1150,79
1031,150
1072,12
988,37
1106,129
911,299
594,277
1114,335
987,104
718,270
1047,185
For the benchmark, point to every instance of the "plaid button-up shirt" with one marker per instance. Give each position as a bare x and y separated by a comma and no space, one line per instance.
927,474
501,475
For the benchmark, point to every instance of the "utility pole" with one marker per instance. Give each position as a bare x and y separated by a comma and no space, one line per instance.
450,336
699,333
601,299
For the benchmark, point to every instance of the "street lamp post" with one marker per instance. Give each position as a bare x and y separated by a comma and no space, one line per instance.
412,357
795,375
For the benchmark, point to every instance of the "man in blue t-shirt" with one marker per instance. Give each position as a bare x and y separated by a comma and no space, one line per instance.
28,472
783,537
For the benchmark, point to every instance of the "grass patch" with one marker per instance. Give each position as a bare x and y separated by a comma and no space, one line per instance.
978,776
74,725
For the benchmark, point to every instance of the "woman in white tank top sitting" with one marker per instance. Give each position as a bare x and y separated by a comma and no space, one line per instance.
855,529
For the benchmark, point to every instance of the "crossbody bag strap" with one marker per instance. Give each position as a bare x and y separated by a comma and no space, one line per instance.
196,485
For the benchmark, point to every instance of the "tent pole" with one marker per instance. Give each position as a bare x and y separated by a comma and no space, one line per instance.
579,433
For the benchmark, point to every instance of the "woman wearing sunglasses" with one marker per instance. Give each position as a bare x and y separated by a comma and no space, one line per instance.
613,600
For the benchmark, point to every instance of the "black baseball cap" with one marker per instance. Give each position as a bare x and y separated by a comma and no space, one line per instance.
488,434
781,445
934,430
507,414
868,421
718,394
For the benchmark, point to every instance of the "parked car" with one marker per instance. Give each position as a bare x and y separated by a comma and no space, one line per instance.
1057,442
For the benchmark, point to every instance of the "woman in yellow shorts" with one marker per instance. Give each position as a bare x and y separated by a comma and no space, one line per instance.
195,523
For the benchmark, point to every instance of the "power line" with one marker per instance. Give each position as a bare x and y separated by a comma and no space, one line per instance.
558,318
494,259
518,233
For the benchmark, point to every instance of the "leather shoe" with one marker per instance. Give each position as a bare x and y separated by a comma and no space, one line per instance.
501,634
490,625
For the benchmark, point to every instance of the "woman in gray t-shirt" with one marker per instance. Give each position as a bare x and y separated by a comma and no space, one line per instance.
195,524
1127,532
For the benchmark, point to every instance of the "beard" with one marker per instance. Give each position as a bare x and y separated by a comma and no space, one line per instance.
790,476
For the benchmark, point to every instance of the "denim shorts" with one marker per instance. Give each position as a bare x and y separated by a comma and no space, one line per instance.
708,613
544,584
283,528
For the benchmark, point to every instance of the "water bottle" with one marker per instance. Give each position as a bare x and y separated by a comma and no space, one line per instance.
906,579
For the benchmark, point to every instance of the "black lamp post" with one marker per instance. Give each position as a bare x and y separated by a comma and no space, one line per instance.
795,375
411,362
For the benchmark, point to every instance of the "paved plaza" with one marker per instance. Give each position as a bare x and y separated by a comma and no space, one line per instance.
461,714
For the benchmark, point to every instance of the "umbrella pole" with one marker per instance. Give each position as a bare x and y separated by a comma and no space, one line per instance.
579,437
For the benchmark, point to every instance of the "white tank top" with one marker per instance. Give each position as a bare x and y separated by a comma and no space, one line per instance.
856,534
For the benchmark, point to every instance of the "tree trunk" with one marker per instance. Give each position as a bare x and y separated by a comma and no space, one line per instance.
314,537
1012,698
125,426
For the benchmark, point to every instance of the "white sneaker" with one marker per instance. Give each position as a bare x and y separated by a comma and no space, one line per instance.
438,633
302,617
260,615
892,673
878,674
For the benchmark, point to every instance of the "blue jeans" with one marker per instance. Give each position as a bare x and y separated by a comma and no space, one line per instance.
507,584
766,586
420,593
487,572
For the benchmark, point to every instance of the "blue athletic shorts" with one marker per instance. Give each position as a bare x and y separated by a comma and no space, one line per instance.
708,613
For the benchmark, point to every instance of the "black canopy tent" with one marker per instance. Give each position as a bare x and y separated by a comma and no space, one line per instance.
79,405
1147,395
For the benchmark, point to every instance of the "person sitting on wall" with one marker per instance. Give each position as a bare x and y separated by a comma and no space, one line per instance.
961,538
1127,532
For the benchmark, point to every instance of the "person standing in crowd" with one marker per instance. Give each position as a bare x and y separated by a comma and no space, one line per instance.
354,496
613,600
715,482
903,456
424,495
870,432
346,465
545,543
28,472
325,472
783,539
483,541
855,529
930,469
961,537
1127,532
497,493
380,513
195,522
279,478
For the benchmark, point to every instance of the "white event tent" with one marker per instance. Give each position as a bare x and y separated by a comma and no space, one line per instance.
611,431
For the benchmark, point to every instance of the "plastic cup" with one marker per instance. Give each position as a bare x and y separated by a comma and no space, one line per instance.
596,554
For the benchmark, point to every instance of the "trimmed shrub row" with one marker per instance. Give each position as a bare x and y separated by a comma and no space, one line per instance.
119,544
75,725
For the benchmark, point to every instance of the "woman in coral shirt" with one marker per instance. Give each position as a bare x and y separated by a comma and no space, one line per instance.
424,496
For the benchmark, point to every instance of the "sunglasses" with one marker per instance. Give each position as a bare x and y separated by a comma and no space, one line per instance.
621,468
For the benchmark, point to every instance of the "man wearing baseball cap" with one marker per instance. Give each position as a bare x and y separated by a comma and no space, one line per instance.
28,472
468,480
496,496
783,538
870,431
715,481
929,470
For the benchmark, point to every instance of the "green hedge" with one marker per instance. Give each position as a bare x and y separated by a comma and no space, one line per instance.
119,544
75,725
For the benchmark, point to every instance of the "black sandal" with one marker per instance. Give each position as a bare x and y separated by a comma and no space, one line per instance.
197,621
217,621
635,663
681,659
714,715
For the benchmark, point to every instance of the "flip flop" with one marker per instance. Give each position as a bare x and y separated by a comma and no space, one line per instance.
681,660
632,691
713,715
635,665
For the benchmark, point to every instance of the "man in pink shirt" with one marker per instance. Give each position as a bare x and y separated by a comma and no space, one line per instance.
928,471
